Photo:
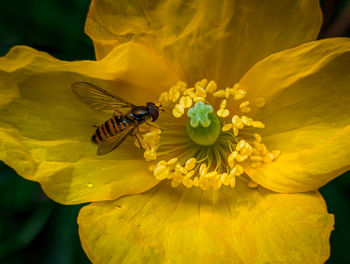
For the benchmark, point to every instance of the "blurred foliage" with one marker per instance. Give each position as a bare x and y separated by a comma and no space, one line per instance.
55,26
34,229
337,196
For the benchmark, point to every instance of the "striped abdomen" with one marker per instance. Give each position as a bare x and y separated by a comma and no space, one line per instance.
111,128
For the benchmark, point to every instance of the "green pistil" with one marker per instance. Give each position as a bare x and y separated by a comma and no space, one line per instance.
204,126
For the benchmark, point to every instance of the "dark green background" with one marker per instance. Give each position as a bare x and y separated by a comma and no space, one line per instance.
34,229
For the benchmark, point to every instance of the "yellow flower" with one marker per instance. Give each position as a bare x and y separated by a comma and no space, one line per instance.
250,132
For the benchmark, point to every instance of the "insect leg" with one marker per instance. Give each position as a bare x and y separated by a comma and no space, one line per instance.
137,136
153,126
138,141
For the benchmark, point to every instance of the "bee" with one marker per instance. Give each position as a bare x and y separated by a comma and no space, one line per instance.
115,130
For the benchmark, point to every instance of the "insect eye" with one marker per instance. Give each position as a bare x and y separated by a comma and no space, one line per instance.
153,113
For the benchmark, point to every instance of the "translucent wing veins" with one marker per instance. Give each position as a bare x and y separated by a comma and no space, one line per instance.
98,98
109,144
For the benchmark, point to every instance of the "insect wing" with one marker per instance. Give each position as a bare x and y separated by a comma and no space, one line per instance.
109,144
98,98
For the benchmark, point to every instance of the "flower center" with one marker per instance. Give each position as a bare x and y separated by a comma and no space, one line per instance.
203,126
207,146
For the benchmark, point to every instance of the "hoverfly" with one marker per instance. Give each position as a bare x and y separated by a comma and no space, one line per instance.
115,130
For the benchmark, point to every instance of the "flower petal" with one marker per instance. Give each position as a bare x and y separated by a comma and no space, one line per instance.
45,131
217,40
307,114
243,225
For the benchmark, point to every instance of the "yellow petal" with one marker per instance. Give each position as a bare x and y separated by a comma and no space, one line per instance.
45,131
243,225
307,114
218,40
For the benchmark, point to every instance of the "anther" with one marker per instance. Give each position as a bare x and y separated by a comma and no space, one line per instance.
247,120
240,145
172,161
257,124
257,137
237,122
196,182
198,99
181,86
231,158
268,157
226,127
219,94
252,184
186,101
260,102
276,153
223,104
233,182
161,172
201,92
201,83
256,158
227,92
241,157
244,104
150,154
178,111
240,94
187,182
203,169
190,164
225,179
164,98
223,113
211,87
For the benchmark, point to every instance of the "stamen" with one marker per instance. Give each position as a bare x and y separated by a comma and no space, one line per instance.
240,94
190,164
257,137
244,107
211,87
226,127
260,102
223,104
252,184
186,101
231,158
219,94
210,152
257,124
178,110
223,113
172,161
200,92
161,172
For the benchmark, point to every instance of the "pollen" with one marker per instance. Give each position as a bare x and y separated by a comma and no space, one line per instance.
190,164
208,137
178,110
260,102
223,113
226,127
186,101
